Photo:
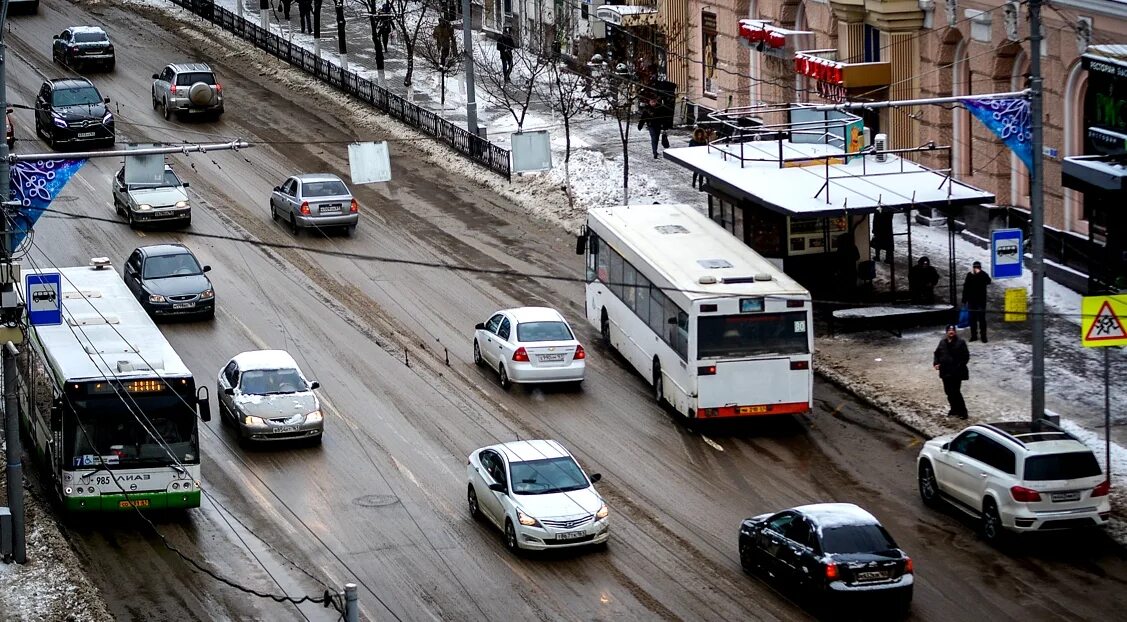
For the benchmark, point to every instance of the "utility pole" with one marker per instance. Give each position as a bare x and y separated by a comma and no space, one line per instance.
1037,209
351,603
467,45
9,307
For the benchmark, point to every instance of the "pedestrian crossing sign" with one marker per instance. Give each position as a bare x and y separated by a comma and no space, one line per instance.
1103,321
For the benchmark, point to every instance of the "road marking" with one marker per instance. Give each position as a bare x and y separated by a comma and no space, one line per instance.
914,442
711,443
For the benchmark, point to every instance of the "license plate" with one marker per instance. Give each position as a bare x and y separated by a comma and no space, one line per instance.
133,503
551,357
195,110
1058,497
86,134
183,305
285,428
163,214
872,575
570,535
752,410
330,209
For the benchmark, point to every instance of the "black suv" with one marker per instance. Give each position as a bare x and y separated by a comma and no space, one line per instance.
71,110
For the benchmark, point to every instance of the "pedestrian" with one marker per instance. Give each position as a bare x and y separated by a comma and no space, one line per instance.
284,6
305,15
922,279
505,47
444,36
699,139
882,235
845,264
974,297
385,23
650,116
950,360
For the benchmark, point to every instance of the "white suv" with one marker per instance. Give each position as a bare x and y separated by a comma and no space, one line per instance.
1015,476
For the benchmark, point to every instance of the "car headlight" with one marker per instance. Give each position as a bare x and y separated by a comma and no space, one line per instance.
249,420
527,520
107,118
59,121
207,294
181,204
144,207
156,298
603,512
314,417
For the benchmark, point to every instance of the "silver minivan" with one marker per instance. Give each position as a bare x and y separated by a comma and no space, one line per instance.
315,200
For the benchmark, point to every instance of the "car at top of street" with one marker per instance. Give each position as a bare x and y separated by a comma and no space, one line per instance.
320,200
831,551
164,201
78,47
265,395
72,111
168,280
1015,477
538,495
187,88
529,345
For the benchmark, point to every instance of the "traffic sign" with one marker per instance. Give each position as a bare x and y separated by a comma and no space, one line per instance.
44,298
1103,321
1006,253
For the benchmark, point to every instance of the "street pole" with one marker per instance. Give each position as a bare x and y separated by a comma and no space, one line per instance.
351,603
1037,209
7,293
1107,412
467,45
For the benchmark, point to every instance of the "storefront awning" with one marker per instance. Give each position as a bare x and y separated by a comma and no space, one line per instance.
1095,173
627,15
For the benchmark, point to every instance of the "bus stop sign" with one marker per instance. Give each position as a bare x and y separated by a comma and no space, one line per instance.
44,296
1006,253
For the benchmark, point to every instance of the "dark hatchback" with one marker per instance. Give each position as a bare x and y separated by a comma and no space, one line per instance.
71,110
168,281
835,553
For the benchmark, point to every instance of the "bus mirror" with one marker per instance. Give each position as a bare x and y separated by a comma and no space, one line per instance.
203,404
56,417
229,390
581,244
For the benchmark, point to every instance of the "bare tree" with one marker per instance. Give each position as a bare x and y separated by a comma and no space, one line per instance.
515,96
410,18
440,52
379,21
566,92
617,93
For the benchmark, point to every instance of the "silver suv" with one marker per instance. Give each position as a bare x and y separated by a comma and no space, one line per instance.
1015,476
189,88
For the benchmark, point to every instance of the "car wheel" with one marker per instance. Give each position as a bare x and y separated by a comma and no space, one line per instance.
293,225
659,384
929,488
110,65
273,211
471,499
477,354
167,110
503,376
992,529
156,104
349,230
511,542
129,217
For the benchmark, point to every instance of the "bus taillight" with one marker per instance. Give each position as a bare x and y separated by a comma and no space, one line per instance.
800,364
707,370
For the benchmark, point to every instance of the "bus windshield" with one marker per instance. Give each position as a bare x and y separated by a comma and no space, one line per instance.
103,426
725,336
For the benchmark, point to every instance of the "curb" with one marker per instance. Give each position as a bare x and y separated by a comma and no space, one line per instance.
840,381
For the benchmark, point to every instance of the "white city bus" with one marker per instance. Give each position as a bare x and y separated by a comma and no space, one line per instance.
111,409
717,329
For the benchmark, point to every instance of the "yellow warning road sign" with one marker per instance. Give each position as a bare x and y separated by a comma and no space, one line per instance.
1103,321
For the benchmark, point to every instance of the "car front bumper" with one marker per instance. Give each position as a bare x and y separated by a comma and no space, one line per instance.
76,135
541,539
280,432
166,309
163,214
526,373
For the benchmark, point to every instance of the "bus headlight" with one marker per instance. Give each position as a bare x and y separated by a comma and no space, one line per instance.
67,490
249,420
156,298
313,417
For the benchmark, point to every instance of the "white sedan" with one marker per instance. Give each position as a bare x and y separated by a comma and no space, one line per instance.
529,345
538,495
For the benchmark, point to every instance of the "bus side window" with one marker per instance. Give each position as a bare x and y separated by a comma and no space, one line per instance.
615,273
681,345
602,259
592,256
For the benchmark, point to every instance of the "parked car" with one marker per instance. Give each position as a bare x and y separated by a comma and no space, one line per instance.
79,47
1015,477
164,201
833,552
187,88
71,110
169,281
538,495
264,394
529,345
9,130
319,200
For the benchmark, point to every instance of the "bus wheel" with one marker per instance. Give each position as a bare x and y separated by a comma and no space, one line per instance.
659,384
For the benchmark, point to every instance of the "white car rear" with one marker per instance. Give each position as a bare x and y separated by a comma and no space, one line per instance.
530,345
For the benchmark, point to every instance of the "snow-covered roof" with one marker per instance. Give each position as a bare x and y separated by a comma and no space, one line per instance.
521,451
535,314
860,186
830,515
105,332
265,359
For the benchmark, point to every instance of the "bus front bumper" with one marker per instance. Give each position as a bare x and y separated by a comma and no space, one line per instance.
157,500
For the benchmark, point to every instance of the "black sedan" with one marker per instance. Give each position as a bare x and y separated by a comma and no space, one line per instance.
832,552
169,281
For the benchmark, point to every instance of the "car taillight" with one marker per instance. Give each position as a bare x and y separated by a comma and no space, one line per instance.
521,355
305,208
218,87
800,364
909,567
580,353
831,571
354,207
1024,495
706,370
1102,490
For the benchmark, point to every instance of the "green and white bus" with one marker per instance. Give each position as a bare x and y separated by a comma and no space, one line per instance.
109,408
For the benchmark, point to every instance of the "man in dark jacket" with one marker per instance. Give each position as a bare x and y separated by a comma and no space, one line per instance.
974,297
505,46
284,6
882,235
305,15
951,358
650,116
922,279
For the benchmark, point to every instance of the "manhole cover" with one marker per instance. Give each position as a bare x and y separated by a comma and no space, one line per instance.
376,501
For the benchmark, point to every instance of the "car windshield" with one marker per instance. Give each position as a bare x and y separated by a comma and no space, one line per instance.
541,477
271,381
856,539
543,331
327,188
170,181
163,266
89,37
190,78
78,96
1073,465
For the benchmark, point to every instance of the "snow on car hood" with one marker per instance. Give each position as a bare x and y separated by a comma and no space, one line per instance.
165,196
561,504
278,405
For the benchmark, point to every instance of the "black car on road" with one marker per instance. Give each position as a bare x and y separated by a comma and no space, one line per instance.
168,281
79,47
71,110
835,553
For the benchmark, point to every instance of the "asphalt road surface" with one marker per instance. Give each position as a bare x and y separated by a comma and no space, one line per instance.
381,503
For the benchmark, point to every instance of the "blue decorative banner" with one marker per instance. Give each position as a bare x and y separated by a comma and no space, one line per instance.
1010,120
34,185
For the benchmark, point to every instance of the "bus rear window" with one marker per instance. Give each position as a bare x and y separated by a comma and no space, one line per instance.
748,335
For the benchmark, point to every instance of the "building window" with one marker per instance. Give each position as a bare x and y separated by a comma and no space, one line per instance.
583,11
1075,91
872,44
708,47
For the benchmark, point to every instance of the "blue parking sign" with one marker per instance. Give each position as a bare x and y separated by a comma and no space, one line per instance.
44,298
1006,253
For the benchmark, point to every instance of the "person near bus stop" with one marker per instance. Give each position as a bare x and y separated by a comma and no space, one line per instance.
922,279
950,360
384,24
305,15
882,235
505,47
974,297
699,139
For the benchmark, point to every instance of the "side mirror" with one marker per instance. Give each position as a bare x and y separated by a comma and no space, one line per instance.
203,404
580,244
156,76
185,184
229,391
479,326
945,446
207,268
54,36
277,188
314,385
499,488
56,417
595,477
106,100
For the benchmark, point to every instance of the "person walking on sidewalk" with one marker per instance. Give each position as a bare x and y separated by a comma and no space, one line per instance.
384,21
950,360
882,235
305,15
650,116
974,297
284,7
699,139
505,47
